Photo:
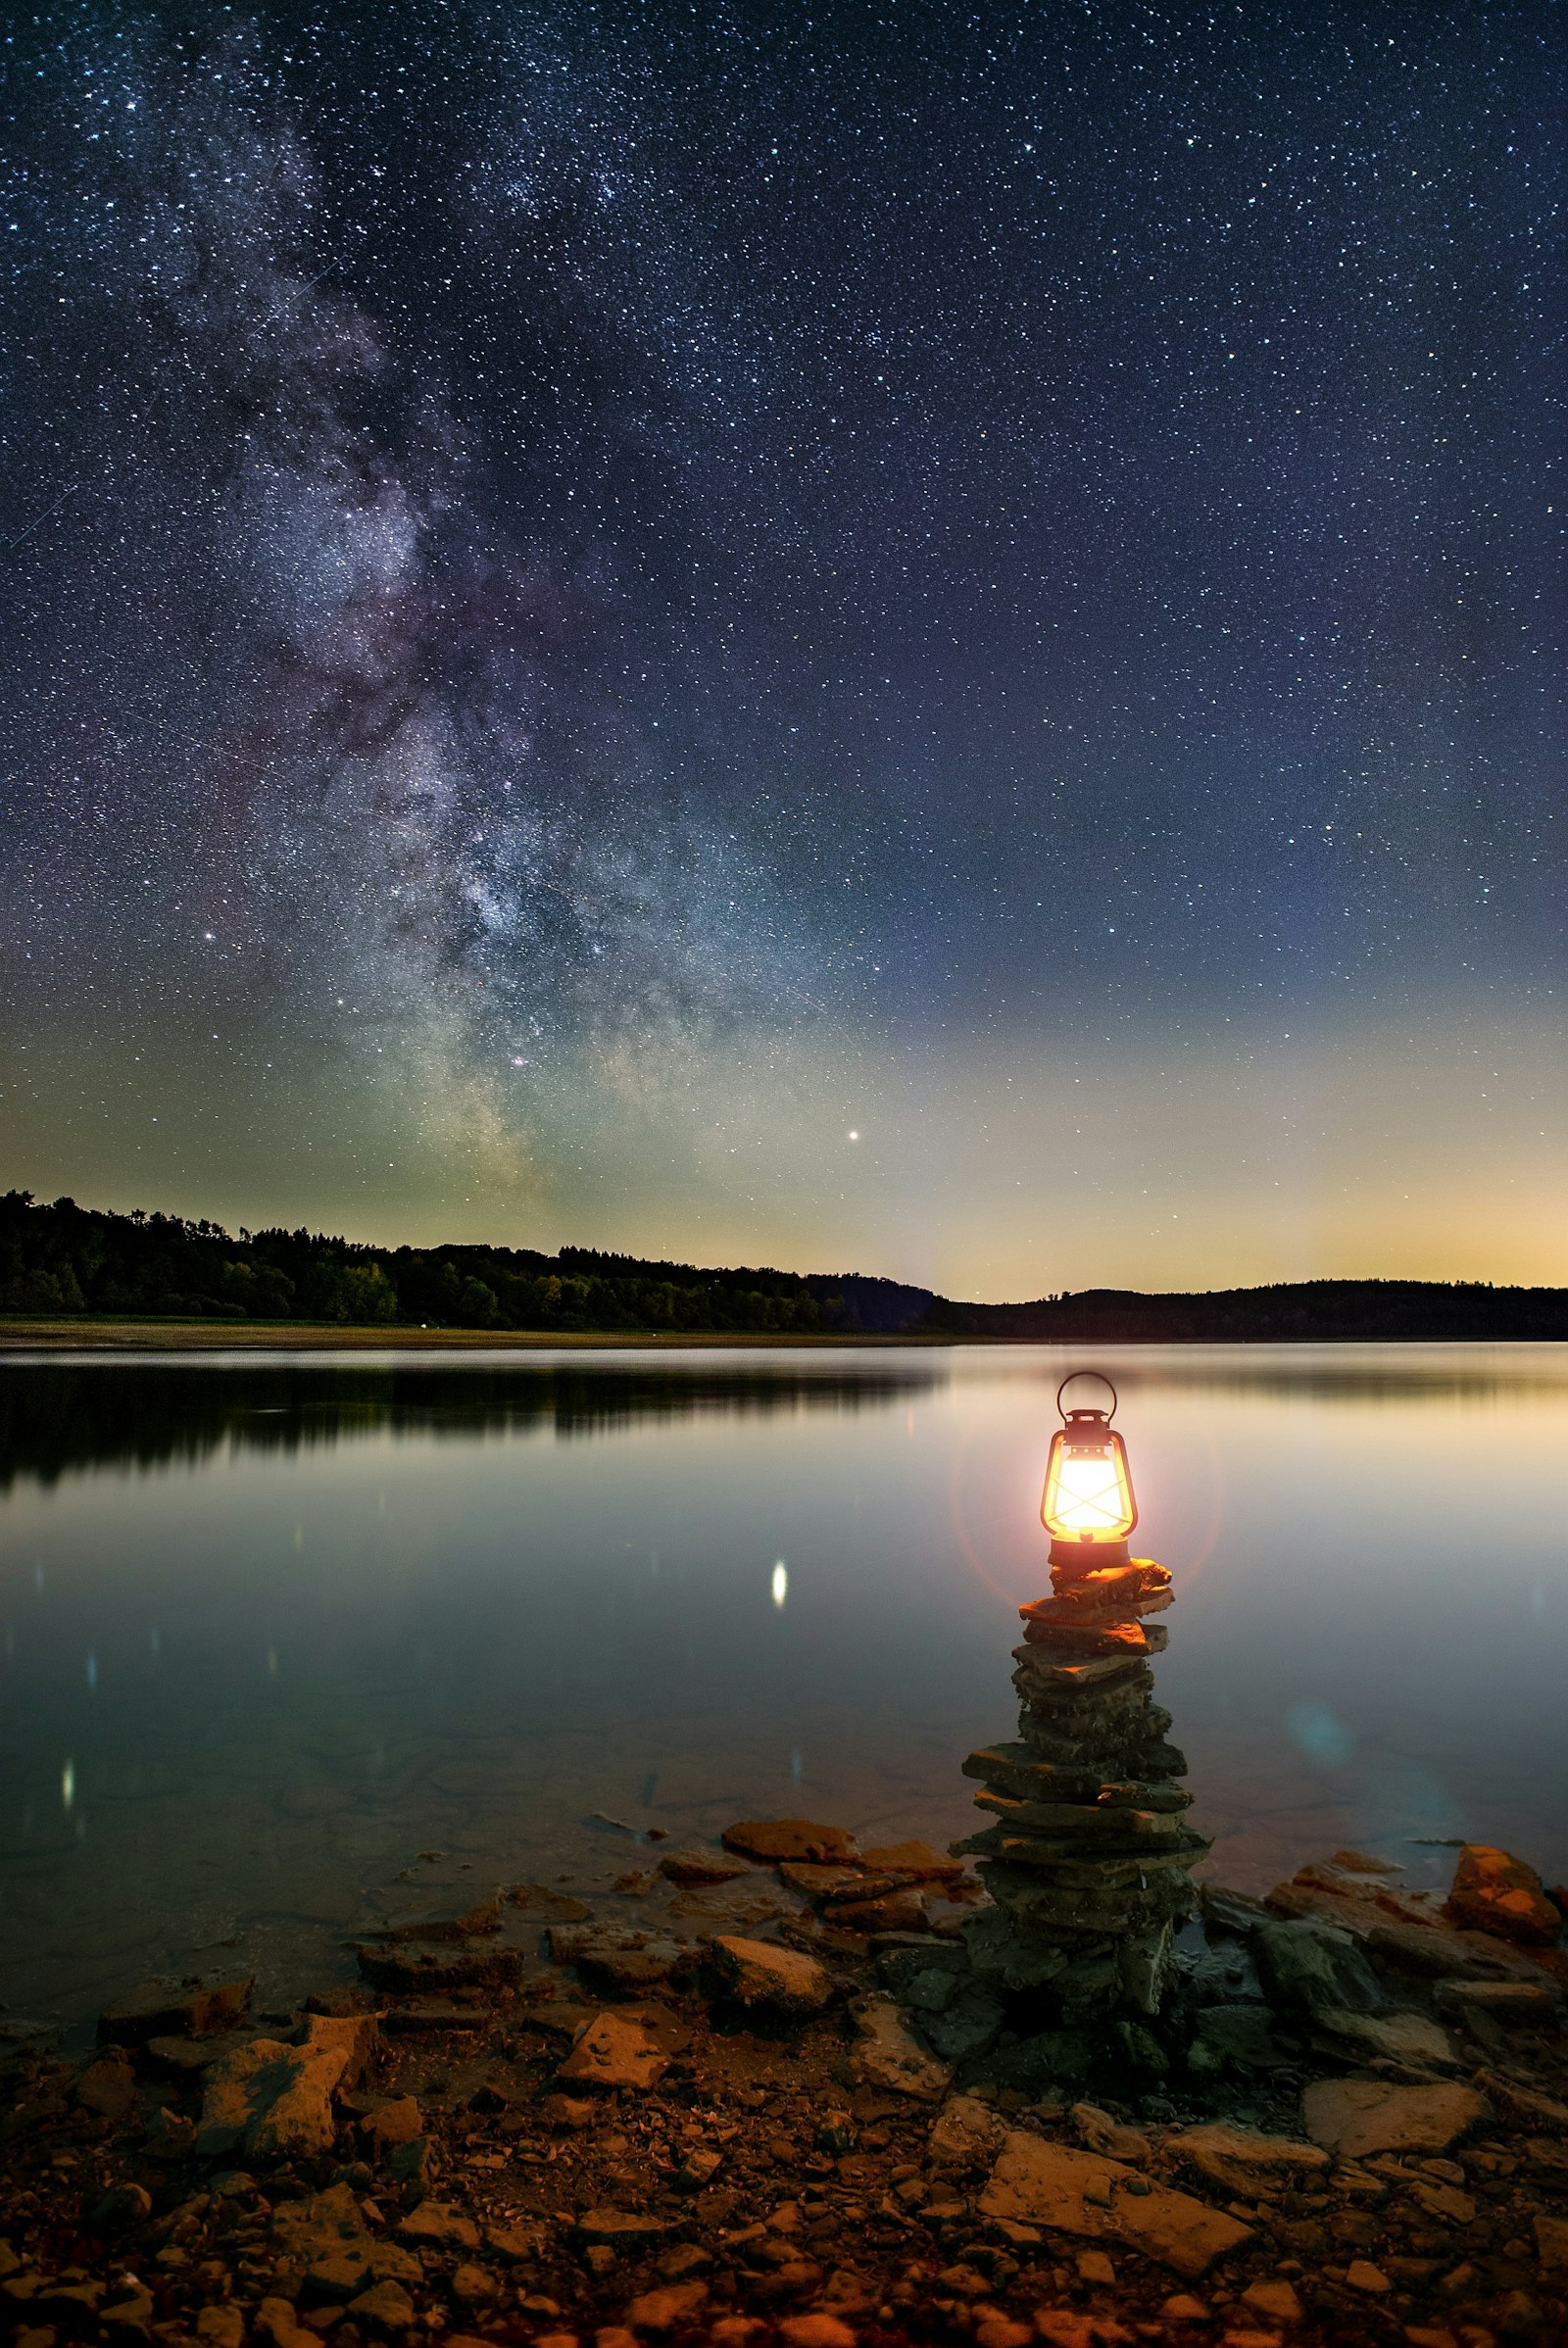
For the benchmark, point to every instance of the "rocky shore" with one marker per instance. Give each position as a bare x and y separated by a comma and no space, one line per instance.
761,2095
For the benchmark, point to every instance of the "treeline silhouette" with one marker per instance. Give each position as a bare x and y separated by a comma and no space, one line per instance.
59,1417
65,1259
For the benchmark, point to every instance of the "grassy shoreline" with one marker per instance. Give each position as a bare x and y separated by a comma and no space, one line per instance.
27,1332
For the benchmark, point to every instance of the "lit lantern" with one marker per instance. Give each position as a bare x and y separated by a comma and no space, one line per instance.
1087,1506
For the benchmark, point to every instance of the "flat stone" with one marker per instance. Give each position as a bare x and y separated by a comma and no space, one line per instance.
397,2121
615,2051
385,2307
819,2331
475,2285
427,1924
221,2327
1275,2299
1515,2005
413,1969
1355,2118
693,1865
275,2101
1247,2163
439,2223
674,2303
915,1861
760,1972
434,2014
1083,2193
893,1912
888,2055
624,1957
517,2244
276,2320
107,2088
319,2226
621,2229
967,2134
1412,2038
186,2056
1496,1893
770,1840
1525,2108
175,2009
1362,2276
1307,1965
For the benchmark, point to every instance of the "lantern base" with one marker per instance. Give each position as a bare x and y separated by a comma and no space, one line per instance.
1075,1560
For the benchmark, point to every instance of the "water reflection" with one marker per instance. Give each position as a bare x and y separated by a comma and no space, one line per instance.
56,1420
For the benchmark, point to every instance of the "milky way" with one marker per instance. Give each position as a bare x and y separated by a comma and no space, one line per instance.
600,598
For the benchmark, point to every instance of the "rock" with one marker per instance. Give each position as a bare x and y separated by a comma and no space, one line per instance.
1309,1964
187,2056
967,2134
221,2327
770,1840
1362,2276
1083,2193
615,2051
1524,2107
967,2027
108,2086
276,2320
891,1912
1551,2243
888,2055
1094,2267
135,2314
693,1865
122,2207
1241,2036
621,2229
438,2223
997,2330
1411,2038
1182,2307
395,2122
274,2100
1276,2300
700,2169
385,2307
181,2009
413,1969
815,2331
916,1861
1099,2133
1442,2201
519,2245
1226,1911
1514,2005
760,1972
1496,1893
1245,2163
624,1957
662,2310
475,2285
1355,2118
428,1924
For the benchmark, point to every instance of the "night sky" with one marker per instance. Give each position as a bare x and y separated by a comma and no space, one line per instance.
913,638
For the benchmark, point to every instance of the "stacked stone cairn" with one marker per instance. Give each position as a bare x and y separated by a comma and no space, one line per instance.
1089,1863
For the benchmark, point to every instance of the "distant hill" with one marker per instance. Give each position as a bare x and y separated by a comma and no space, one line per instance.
65,1259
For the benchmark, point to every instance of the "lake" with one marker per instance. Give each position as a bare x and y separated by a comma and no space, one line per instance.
271,1627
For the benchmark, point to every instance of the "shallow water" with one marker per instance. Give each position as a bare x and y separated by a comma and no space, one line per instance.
270,1628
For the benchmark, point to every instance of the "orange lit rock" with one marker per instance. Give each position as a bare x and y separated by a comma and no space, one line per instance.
1496,1893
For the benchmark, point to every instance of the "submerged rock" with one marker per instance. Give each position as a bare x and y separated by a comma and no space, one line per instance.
772,1839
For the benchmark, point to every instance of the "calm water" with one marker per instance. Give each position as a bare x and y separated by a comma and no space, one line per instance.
270,1628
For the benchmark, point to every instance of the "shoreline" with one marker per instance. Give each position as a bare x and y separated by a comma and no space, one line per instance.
702,2106
23,1333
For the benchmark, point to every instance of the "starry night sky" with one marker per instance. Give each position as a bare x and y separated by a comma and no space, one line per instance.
918,638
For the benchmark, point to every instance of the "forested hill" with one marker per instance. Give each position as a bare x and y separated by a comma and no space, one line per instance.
67,1259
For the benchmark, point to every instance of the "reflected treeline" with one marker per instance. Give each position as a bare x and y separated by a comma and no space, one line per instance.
58,1420
1356,1378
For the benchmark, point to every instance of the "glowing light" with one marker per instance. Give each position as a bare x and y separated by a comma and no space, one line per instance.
1088,1491
781,1583
67,1785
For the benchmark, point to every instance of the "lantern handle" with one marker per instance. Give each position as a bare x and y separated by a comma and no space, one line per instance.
1075,1374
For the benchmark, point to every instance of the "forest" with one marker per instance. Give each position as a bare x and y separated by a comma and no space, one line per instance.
62,1259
